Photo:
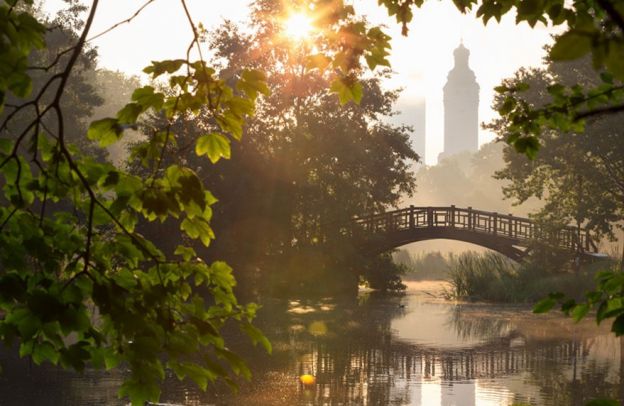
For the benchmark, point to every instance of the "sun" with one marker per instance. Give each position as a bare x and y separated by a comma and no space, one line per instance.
298,26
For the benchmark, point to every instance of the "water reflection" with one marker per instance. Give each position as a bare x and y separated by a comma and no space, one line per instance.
380,350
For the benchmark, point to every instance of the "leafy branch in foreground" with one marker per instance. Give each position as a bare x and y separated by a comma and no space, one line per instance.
606,299
79,286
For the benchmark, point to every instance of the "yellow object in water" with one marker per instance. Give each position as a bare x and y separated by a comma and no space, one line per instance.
307,379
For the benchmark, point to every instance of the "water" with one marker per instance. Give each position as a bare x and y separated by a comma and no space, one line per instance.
381,350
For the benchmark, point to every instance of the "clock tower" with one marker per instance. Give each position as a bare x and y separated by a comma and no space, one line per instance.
461,105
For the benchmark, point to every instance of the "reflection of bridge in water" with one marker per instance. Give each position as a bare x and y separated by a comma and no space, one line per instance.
507,234
488,361
406,374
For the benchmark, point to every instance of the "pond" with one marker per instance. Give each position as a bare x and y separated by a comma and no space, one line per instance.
414,349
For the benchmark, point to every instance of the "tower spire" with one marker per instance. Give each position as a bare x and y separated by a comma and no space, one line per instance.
461,104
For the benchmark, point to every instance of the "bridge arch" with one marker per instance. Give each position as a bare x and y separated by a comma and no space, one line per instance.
506,234
377,246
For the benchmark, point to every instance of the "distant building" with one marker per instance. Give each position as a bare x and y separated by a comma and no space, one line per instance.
461,105
412,113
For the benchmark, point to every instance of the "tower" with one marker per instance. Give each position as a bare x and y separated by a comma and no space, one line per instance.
461,105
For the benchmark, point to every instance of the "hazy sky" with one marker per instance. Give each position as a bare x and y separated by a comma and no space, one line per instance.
421,61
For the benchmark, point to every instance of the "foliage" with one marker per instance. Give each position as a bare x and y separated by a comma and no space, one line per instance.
115,89
602,402
493,278
573,111
81,96
343,47
481,276
577,175
79,285
382,273
333,162
605,298
304,165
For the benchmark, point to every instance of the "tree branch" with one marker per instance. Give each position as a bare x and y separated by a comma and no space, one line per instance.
612,12
597,111
126,21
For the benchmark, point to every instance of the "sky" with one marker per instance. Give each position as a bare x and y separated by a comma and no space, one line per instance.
420,61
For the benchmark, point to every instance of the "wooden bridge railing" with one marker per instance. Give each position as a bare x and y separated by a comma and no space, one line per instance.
506,226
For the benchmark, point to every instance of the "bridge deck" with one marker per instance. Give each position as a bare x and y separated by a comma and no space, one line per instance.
517,230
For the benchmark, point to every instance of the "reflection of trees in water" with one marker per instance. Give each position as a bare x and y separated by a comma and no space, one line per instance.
357,361
583,379
562,369
23,383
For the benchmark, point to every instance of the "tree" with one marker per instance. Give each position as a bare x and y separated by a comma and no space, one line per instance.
577,173
333,163
304,166
78,283
81,95
148,315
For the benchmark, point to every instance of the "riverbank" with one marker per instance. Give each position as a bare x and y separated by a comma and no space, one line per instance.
491,277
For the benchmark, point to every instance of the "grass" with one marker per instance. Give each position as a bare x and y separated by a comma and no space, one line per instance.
494,278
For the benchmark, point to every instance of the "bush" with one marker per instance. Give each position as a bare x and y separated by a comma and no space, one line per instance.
382,273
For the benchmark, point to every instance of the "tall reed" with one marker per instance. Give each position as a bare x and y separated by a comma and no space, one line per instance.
482,277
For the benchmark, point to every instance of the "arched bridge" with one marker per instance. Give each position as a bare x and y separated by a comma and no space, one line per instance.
506,234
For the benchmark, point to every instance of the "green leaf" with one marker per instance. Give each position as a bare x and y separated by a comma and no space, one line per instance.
185,252
357,91
140,392
528,146
257,336
253,82
544,305
347,91
618,325
198,374
6,145
148,98
580,311
318,61
157,68
106,131
235,362
197,227
615,59
214,145
129,113
570,45
45,351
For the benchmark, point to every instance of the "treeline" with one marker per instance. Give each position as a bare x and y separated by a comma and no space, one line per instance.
303,165
578,175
